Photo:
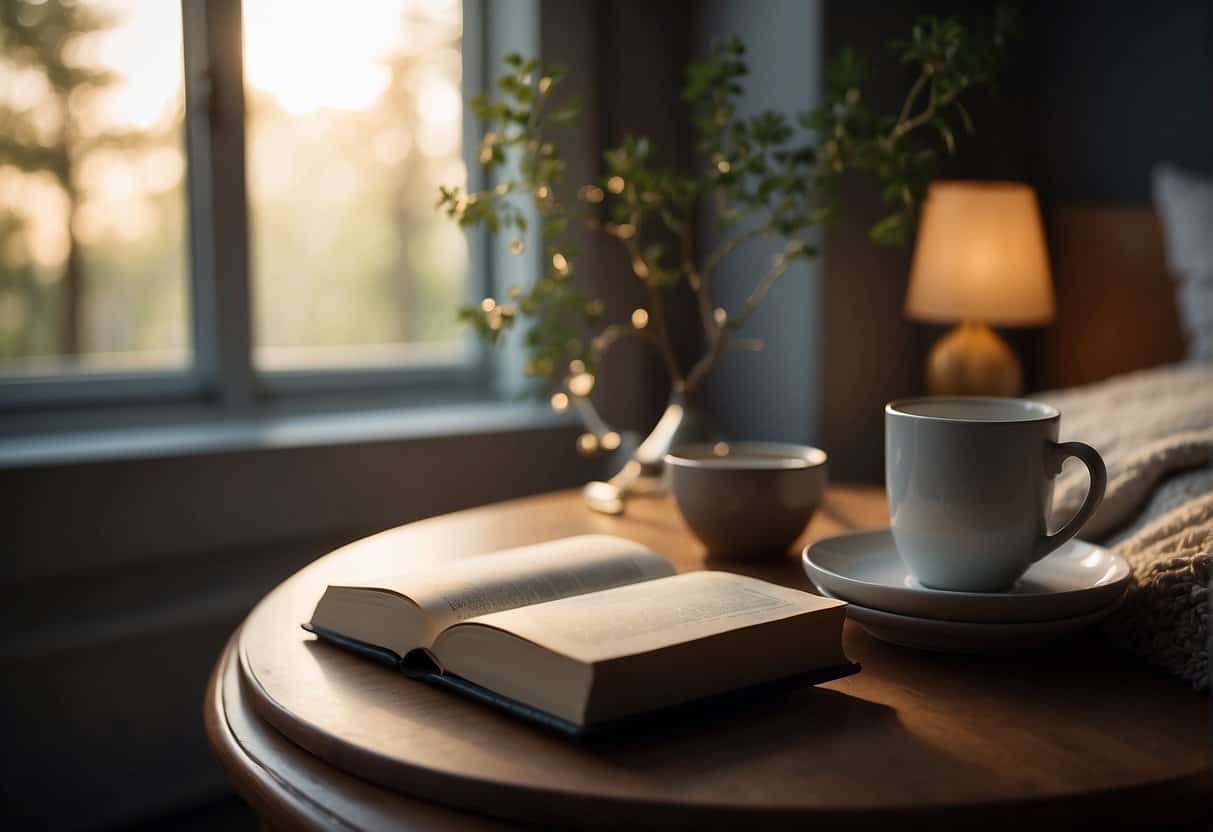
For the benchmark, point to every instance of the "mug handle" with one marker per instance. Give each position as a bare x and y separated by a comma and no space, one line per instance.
1055,454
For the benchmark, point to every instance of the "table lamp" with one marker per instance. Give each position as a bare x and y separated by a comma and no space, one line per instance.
980,259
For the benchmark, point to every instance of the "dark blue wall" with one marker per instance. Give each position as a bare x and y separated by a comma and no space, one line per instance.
1119,85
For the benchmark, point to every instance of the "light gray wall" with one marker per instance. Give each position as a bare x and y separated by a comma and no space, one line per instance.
508,27
775,394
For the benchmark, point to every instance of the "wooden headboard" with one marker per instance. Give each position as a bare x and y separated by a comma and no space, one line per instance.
1115,301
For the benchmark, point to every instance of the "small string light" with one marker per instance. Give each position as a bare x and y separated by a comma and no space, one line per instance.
581,385
587,444
640,269
611,441
720,315
488,305
545,84
590,193
721,449
542,192
626,231
615,184
560,263
517,247
576,366
486,148
503,188
723,166
560,402
640,318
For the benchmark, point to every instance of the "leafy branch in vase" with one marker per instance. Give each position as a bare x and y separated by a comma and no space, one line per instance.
763,178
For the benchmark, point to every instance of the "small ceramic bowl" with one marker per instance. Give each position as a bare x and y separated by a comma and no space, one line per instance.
746,499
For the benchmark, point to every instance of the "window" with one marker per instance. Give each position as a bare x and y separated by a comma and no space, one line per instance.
92,188
182,217
344,158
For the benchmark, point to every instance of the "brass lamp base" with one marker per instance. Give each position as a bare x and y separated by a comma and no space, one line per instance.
972,360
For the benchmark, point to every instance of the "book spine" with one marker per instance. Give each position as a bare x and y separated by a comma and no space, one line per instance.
419,665
511,706
379,654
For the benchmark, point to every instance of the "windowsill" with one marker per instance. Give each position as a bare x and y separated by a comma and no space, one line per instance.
274,432
112,500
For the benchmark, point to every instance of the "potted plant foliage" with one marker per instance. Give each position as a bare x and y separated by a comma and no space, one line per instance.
763,177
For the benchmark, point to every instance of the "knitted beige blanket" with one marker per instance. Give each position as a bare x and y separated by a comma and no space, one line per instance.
1154,430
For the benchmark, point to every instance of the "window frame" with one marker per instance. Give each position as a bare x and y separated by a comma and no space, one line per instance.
221,379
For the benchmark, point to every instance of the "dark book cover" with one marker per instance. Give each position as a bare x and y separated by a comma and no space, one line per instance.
419,666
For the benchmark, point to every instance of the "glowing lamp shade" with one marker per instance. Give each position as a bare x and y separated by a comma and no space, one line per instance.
980,257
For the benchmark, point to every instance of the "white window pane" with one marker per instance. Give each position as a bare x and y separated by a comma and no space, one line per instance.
92,186
354,119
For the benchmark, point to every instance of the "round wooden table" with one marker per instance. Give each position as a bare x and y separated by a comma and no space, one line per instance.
315,737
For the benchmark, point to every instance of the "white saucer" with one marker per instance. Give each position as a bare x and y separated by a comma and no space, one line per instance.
962,637
864,568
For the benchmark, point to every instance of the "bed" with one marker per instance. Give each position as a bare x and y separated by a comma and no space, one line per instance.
1129,360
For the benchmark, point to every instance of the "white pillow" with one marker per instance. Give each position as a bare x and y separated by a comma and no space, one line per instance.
1185,205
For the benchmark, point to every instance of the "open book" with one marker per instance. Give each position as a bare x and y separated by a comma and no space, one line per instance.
586,630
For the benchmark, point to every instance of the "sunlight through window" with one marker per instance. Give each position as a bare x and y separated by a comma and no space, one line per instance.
354,118
92,187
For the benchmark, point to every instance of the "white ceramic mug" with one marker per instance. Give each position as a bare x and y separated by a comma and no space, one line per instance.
970,483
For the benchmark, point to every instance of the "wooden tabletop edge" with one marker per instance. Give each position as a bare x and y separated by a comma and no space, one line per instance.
255,782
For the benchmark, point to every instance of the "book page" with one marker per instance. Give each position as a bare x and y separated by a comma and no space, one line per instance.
482,584
655,614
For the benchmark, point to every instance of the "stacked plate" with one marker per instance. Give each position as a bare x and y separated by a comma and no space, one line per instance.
1069,590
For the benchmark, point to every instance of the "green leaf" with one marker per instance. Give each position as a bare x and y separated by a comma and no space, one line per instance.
889,231
966,119
946,133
